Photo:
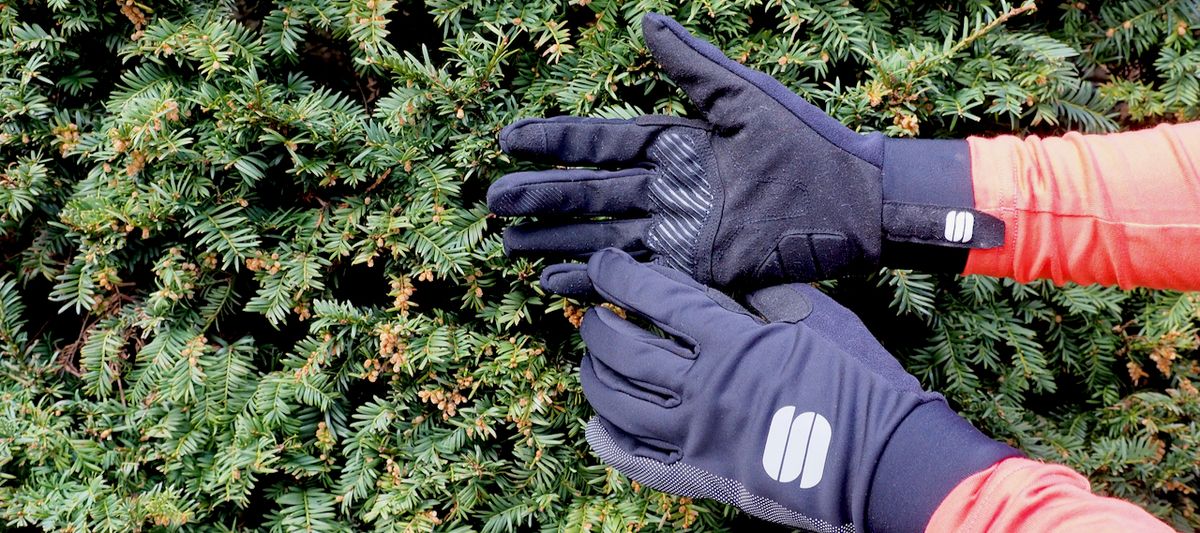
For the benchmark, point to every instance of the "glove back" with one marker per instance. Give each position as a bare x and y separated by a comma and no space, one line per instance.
805,420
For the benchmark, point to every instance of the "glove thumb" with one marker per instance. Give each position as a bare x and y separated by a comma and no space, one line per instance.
701,70
725,90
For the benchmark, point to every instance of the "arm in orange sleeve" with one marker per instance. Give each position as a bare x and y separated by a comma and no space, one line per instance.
1120,209
1021,495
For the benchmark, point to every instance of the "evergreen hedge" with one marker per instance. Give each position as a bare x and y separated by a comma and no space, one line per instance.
249,280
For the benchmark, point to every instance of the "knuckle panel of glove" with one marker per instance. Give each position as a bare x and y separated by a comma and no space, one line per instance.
579,140
629,406
578,192
634,352
576,239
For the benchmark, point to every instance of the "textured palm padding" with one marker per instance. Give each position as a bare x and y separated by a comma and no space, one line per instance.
767,188
804,420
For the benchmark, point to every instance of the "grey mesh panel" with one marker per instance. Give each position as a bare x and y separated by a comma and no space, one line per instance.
681,191
686,480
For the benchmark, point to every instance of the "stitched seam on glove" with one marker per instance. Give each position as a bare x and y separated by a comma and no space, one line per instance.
920,395
713,221
708,237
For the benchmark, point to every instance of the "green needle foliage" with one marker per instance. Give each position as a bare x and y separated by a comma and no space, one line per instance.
249,281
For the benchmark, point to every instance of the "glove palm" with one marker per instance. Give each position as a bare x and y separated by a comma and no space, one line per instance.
767,188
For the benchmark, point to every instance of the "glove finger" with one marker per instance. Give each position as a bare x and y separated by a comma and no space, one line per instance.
724,89
674,302
625,404
624,452
571,192
580,140
637,354
570,280
576,239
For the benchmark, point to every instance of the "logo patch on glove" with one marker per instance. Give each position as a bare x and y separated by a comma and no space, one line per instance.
797,446
959,226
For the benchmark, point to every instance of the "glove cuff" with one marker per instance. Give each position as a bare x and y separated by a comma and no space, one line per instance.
928,455
929,216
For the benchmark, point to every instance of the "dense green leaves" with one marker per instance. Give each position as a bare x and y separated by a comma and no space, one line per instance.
249,281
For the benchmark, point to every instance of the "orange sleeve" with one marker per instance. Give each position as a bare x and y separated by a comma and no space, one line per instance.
1120,209
1021,495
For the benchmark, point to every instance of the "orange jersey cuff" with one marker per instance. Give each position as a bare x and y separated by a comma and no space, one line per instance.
1022,495
1120,209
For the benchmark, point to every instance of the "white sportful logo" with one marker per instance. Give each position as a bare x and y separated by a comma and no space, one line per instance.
959,225
797,446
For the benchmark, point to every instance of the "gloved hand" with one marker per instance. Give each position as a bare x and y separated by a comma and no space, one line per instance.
804,420
767,188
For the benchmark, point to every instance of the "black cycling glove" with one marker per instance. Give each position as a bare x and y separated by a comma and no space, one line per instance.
766,188
802,418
